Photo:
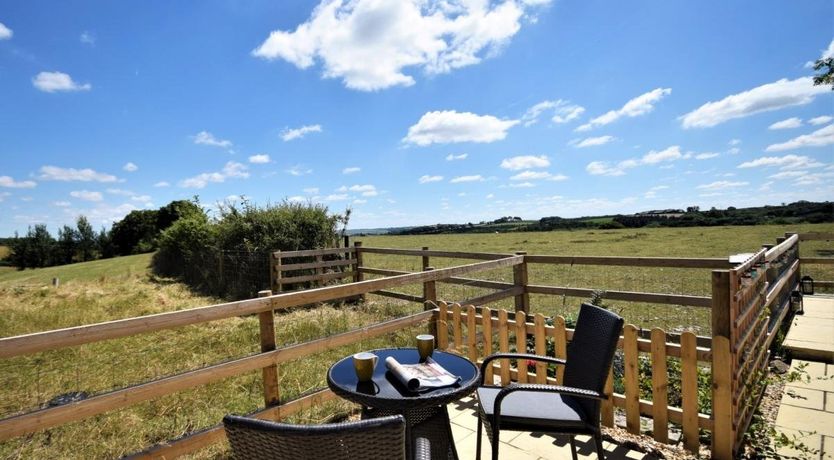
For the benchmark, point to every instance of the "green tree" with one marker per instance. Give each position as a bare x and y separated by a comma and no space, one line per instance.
34,250
826,66
105,244
86,239
136,233
66,245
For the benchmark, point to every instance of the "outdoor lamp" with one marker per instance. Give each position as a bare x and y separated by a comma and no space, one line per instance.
807,284
796,303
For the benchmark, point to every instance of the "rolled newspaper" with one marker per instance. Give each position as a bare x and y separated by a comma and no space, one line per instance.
421,377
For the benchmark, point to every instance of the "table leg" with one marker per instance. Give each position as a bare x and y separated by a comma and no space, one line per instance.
430,423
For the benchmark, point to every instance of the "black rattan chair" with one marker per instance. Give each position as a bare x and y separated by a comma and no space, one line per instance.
374,439
572,408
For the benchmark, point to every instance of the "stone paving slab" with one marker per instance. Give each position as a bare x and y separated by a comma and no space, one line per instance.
811,335
807,409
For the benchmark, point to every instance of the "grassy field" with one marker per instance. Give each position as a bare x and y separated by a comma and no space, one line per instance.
123,287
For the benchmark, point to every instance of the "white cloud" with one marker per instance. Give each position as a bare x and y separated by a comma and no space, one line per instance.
298,170
50,82
706,155
821,120
6,181
351,170
734,142
72,174
538,175
5,32
819,138
311,190
118,191
61,204
86,195
523,185
449,126
162,184
603,168
668,154
490,196
787,174
525,162
592,141
563,112
461,179
765,98
296,199
207,138
785,162
369,43
814,179
734,150
289,134
788,123
359,201
232,170
652,192
365,190
640,105
145,199
259,159
453,157
336,197
88,38
426,179
721,185
130,167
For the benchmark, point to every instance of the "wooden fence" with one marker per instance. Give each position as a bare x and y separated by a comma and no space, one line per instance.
747,308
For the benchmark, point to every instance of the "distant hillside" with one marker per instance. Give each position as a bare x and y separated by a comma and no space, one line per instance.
793,213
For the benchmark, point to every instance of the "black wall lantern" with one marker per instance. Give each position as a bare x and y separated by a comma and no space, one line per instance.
807,284
796,303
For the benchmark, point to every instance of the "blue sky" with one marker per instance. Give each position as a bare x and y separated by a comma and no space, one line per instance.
411,112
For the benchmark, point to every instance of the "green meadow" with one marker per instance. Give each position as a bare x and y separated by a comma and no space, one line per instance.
124,287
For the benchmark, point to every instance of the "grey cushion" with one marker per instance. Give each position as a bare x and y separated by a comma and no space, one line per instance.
536,410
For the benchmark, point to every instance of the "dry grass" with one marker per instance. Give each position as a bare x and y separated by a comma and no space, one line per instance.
120,288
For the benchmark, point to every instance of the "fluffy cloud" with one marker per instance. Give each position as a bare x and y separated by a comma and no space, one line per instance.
788,123
86,195
819,138
461,179
207,138
299,170
289,134
5,32
821,120
721,185
87,38
162,184
365,190
50,82
369,43
351,170
538,175
525,162
311,190
563,112
652,192
640,105
592,141
426,179
603,168
765,98
72,174
706,155
449,126
786,162
232,170
130,167
6,181
453,157
259,159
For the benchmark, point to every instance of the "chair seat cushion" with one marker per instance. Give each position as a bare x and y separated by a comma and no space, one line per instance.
534,411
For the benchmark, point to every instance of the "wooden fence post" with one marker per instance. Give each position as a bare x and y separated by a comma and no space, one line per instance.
275,271
429,291
723,434
357,266
270,373
426,263
522,301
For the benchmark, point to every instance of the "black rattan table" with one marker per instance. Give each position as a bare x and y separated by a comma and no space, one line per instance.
425,413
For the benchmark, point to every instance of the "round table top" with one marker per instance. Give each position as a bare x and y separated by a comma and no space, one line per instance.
386,392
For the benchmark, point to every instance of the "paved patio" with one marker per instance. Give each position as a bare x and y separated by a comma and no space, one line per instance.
811,335
525,446
807,409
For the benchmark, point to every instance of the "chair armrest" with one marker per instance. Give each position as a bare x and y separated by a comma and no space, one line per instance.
422,449
577,392
490,358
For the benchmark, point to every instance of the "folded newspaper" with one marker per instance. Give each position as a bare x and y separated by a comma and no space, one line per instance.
421,377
